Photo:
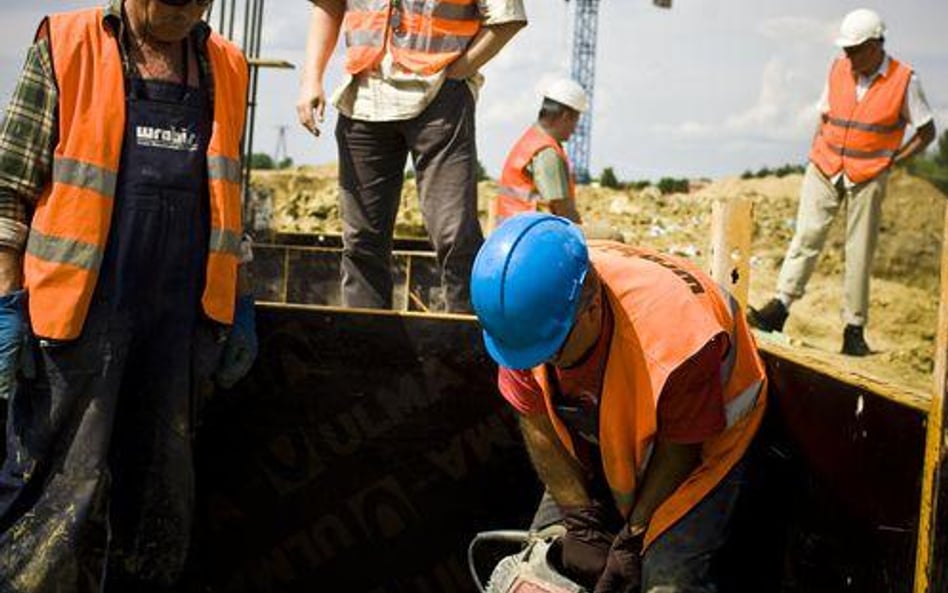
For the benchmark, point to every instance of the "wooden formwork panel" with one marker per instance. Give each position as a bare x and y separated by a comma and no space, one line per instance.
365,449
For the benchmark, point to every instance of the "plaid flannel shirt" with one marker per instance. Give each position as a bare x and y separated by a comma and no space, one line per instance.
29,131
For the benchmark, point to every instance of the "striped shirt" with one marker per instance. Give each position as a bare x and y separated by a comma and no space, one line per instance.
391,93
30,127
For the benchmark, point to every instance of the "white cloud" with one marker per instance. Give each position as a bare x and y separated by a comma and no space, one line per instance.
782,112
805,32
706,88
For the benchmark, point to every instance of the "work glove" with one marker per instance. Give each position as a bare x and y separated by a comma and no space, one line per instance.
585,545
623,572
240,350
12,331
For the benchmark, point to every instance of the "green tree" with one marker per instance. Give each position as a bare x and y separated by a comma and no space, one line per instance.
941,155
609,179
285,163
482,172
261,160
670,185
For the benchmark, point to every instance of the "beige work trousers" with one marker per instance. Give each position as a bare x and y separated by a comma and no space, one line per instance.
819,202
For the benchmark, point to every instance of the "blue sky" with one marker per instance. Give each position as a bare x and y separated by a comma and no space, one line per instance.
708,88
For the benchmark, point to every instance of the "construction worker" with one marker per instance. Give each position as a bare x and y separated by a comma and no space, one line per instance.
867,103
120,228
412,82
638,388
537,175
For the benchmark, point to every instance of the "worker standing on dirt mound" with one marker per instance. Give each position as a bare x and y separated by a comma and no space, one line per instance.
866,105
639,389
536,175
120,228
412,82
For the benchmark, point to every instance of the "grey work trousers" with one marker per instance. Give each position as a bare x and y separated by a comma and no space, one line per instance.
372,157
819,202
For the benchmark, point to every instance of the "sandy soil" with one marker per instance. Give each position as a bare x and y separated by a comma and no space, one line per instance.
904,304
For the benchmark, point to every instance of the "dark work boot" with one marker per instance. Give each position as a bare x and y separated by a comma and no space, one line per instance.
770,317
854,344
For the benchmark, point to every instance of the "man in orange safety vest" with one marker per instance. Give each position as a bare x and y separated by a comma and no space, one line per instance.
869,100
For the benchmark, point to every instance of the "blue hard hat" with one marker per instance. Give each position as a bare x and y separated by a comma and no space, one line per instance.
525,287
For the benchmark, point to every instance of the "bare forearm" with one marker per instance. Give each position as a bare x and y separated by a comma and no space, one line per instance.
558,471
324,24
671,464
919,142
11,270
486,44
819,128
567,209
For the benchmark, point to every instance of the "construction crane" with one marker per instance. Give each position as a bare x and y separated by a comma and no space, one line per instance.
583,71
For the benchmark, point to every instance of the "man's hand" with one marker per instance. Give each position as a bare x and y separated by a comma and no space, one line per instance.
325,21
623,572
585,546
460,69
485,45
12,330
311,105
241,347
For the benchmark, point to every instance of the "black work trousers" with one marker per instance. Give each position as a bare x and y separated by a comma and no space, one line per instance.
96,493
372,157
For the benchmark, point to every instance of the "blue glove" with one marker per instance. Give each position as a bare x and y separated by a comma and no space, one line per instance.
12,330
240,350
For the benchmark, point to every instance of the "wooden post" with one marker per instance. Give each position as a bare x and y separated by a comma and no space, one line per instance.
933,534
731,224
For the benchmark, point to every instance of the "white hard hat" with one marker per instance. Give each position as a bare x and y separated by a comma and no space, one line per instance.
568,92
858,26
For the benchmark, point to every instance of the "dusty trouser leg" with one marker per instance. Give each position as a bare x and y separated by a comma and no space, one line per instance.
372,159
55,481
819,202
444,152
863,213
152,505
681,559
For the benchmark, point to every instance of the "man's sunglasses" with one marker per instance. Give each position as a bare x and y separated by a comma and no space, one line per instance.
201,3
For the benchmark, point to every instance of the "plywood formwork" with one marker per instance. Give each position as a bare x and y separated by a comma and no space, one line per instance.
367,448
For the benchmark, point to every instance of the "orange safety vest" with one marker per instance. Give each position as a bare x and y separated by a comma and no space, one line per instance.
518,192
71,220
422,36
665,310
861,138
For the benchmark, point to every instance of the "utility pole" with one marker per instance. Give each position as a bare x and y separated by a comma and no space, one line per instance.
280,154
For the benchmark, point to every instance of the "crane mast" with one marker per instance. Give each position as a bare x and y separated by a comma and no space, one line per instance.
583,71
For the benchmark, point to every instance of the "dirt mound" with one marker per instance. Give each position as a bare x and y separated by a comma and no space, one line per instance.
903,311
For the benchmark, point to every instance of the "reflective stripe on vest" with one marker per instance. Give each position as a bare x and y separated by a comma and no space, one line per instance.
737,408
517,191
641,357
70,224
861,137
423,36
